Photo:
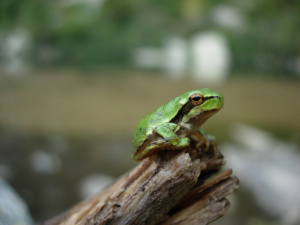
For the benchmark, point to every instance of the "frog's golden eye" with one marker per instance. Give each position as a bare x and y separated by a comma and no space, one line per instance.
196,99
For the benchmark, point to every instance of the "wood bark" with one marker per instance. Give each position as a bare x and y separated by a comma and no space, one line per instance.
172,187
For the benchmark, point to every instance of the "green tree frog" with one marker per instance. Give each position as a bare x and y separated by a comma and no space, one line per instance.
171,126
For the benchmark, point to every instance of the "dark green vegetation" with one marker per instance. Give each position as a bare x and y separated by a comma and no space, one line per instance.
94,33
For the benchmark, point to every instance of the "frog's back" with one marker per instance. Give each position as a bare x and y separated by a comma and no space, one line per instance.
161,115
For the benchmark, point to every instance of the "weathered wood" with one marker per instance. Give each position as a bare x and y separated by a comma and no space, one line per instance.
206,203
174,187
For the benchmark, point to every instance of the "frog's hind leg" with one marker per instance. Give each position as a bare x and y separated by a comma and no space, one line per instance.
165,139
169,138
162,144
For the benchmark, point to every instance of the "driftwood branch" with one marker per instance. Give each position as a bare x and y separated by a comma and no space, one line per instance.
173,187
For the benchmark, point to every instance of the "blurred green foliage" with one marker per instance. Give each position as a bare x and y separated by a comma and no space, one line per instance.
98,33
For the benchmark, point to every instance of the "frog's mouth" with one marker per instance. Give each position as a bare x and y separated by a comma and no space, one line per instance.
200,119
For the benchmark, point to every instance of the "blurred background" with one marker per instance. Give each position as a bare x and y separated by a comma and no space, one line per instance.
76,76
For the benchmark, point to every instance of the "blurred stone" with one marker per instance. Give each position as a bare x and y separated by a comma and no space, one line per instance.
13,210
269,168
44,163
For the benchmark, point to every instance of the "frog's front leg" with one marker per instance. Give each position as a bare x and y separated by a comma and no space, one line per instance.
201,137
166,131
168,140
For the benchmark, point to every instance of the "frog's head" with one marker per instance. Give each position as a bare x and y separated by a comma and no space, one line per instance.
202,103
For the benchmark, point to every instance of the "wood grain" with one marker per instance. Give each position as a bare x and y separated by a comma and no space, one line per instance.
172,187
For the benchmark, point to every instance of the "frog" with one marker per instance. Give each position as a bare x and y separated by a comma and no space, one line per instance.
174,124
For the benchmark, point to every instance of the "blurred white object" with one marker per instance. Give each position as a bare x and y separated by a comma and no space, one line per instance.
147,57
93,184
210,57
44,162
174,60
15,50
207,56
269,168
13,210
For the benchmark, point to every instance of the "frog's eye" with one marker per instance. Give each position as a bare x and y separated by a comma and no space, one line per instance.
196,99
